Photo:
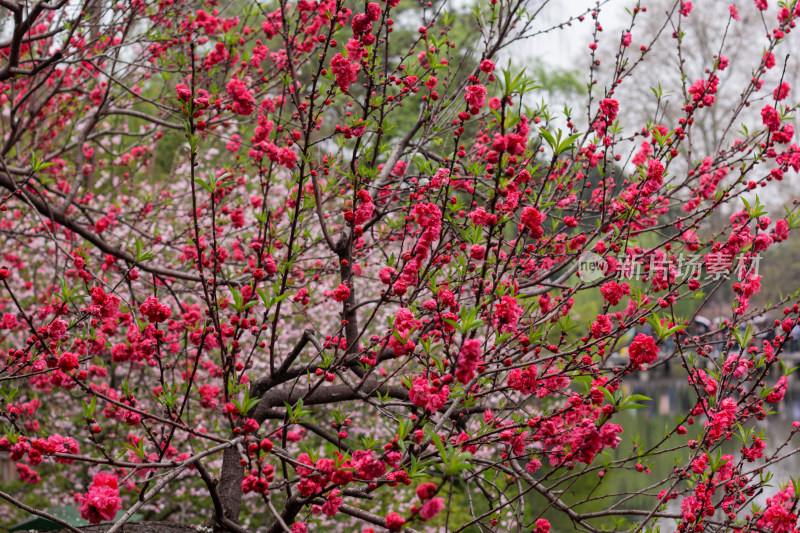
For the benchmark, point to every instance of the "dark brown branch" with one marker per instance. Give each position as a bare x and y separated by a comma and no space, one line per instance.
293,506
21,27
143,116
43,514
49,212
262,385
32,38
219,509
324,396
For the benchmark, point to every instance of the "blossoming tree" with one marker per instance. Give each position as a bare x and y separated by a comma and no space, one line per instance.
309,265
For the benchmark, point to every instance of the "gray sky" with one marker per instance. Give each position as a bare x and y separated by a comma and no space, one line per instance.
565,47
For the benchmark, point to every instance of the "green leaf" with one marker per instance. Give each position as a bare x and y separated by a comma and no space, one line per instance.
632,406
637,398
238,300
37,164
437,441
88,409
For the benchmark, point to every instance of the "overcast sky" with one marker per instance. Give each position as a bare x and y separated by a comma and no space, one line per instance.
569,47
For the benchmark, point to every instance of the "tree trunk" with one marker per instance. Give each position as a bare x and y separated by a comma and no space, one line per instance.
230,483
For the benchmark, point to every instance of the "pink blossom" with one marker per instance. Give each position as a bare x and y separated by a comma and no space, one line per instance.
771,118
243,103
475,97
477,252
386,274
613,292
183,92
344,71
722,418
394,522
480,217
425,491
59,444
756,451
342,293
487,65
778,391
154,311
431,508
507,313
779,519
102,500
332,503
423,394
609,108
361,24
468,360
532,219
643,350
641,156
601,326
68,361
533,465
655,176
781,91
